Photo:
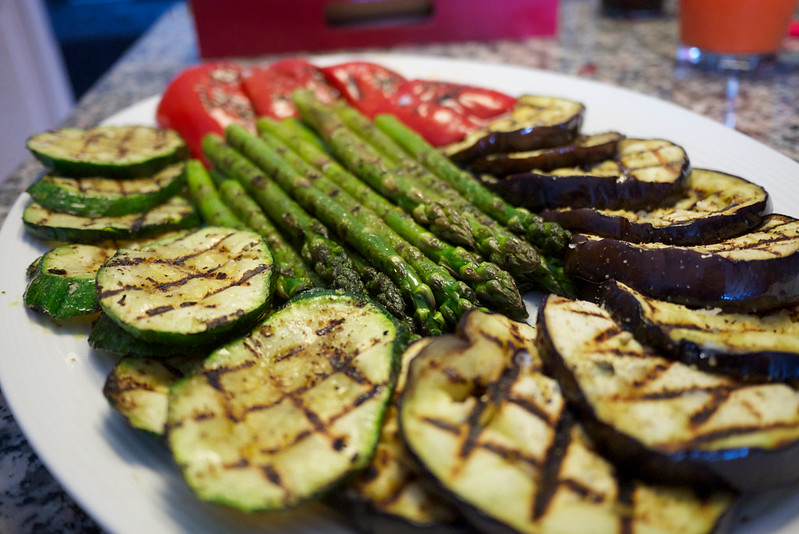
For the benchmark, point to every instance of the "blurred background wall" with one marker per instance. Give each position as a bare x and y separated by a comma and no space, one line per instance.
51,52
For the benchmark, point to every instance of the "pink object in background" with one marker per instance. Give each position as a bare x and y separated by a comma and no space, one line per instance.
251,27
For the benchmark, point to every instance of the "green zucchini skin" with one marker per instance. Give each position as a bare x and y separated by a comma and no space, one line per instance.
62,281
107,336
128,151
175,214
107,197
311,381
194,288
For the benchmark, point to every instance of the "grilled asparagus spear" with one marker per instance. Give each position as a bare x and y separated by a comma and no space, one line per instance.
293,274
548,237
453,300
329,260
492,240
418,294
439,219
494,287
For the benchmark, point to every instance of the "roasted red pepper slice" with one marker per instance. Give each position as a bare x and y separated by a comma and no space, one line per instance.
204,99
444,112
367,86
269,87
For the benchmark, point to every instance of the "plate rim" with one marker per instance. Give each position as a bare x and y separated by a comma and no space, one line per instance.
12,230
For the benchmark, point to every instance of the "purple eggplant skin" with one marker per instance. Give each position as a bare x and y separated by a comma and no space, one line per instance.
695,276
754,366
711,227
538,191
637,460
740,470
523,138
583,152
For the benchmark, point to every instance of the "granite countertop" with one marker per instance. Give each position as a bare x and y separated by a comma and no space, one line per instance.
637,55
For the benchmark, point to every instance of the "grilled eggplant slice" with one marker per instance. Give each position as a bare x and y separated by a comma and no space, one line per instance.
138,389
285,413
746,346
479,414
642,174
191,289
390,495
114,151
535,122
662,419
715,206
62,282
174,214
749,273
584,151
107,197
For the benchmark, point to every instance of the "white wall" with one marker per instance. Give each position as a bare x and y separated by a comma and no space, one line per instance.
34,90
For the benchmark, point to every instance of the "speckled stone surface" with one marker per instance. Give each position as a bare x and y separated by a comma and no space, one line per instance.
637,55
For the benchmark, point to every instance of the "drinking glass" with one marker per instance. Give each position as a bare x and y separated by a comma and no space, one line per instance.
733,35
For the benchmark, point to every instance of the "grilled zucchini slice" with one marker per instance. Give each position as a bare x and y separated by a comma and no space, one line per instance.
138,389
190,289
390,494
114,151
662,419
174,214
107,197
495,432
714,206
748,346
642,174
62,282
749,273
107,336
285,413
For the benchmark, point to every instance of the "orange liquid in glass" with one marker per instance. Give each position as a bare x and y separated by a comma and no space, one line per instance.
735,26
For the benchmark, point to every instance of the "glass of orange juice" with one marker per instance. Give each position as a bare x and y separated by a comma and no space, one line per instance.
733,35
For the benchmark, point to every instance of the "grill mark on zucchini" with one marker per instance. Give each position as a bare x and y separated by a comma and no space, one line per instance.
214,379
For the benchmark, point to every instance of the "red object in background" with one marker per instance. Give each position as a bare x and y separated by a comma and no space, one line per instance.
444,112
366,86
252,27
205,99
269,87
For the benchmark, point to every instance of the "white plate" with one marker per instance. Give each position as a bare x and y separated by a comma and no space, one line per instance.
128,482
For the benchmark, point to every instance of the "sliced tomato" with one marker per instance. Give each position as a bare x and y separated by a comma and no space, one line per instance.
444,112
269,87
367,86
202,99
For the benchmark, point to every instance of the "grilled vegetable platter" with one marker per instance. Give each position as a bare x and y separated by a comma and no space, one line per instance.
318,319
